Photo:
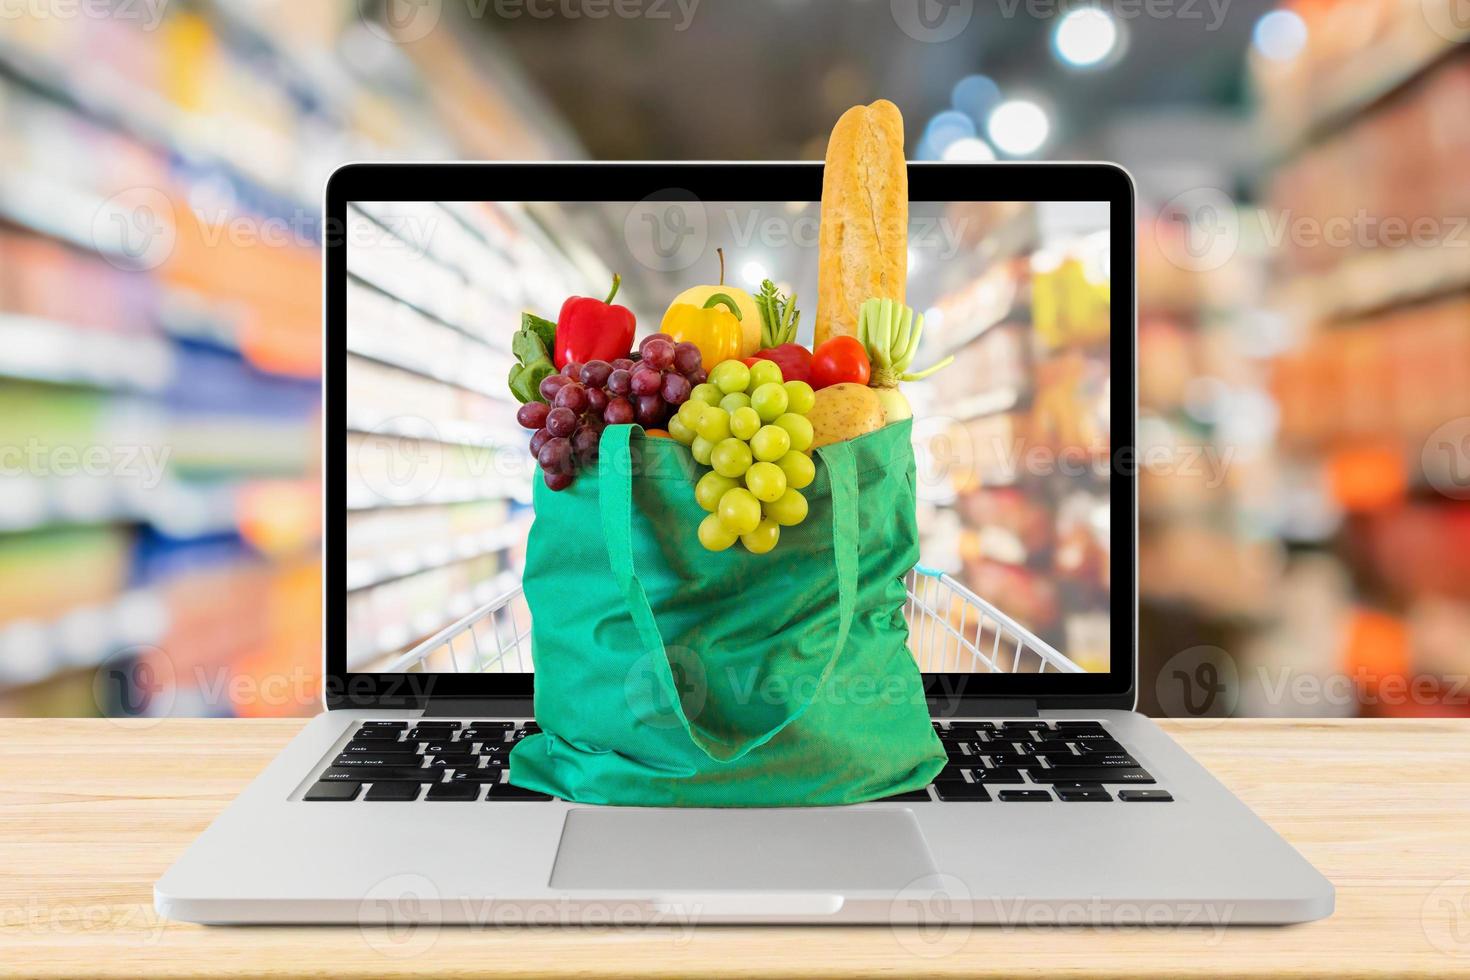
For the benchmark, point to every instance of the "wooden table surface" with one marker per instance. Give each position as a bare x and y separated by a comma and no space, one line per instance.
92,812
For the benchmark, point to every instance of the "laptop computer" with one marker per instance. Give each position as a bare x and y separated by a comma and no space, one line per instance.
1059,802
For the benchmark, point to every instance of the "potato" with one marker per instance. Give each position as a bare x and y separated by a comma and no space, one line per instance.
844,411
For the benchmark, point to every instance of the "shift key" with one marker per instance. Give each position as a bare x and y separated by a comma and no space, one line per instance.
1091,774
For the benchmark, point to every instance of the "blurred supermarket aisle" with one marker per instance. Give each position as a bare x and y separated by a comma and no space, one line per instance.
160,256
1304,320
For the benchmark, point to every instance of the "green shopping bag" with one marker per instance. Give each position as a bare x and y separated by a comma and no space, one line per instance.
667,675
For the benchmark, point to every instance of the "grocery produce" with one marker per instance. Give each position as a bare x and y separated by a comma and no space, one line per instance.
590,329
788,511
769,400
800,397
779,316
844,411
743,305
714,535
798,429
798,469
730,377
746,423
763,539
575,404
794,360
532,346
863,236
838,361
714,328
890,332
770,443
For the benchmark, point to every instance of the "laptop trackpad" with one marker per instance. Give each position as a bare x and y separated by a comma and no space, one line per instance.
701,850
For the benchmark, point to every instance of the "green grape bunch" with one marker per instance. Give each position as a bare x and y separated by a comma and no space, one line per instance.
750,428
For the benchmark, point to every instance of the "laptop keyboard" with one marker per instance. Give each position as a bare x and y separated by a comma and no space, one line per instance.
1010,761
401,761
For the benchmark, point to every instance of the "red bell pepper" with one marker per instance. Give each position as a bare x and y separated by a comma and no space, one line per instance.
590,329
794,360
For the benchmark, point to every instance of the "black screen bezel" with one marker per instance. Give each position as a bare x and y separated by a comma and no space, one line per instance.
733,183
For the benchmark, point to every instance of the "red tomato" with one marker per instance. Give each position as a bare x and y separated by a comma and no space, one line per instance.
841,359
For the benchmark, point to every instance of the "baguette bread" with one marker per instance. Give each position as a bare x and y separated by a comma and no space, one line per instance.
865,218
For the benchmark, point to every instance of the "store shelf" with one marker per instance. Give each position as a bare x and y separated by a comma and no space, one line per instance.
449,492
1375,74
366,573
33,650
1380,279
43,350
132,111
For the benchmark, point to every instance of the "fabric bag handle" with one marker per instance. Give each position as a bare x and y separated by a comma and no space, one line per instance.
615,479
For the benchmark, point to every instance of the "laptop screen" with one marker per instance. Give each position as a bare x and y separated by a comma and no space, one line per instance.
1011,439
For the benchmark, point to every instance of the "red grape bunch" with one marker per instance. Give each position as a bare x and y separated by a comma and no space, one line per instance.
585,398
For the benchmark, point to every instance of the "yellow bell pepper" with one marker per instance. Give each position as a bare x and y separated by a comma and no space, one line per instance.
715,331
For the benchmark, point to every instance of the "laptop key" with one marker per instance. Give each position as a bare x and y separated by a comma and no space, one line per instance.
453,791
1024,796
399,725
1078,725
1078,795
375,734
505,792
912,796
449,748
1145,796
997,775
1092,774
437,723
1087,761
959,791
429,734
476,776
338,774
338,792
396,792
349,760
378,747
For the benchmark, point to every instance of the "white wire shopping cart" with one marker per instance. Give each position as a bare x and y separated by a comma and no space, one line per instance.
950,629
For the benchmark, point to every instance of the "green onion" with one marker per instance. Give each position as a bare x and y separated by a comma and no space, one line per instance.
890,332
